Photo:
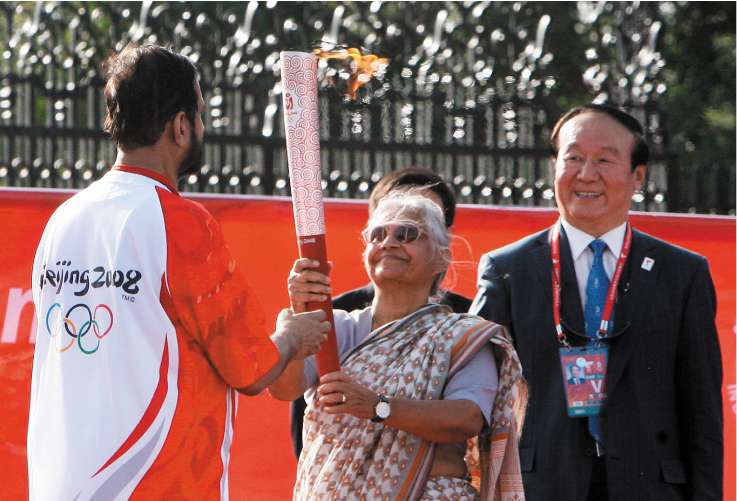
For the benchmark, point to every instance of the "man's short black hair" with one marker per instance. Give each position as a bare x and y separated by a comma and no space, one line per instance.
640,152
146,87
416,176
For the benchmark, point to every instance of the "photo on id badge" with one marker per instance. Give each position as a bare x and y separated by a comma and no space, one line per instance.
584,379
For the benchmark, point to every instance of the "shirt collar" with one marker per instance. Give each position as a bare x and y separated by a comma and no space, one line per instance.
579,240
142,171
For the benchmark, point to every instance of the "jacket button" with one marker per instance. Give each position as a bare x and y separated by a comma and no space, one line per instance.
642,473
589,451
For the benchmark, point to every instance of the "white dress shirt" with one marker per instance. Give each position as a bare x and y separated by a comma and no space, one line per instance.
583,256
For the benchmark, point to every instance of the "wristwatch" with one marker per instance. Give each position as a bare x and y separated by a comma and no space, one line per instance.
382,410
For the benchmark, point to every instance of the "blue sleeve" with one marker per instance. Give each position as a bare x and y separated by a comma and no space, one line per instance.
477,381
350,329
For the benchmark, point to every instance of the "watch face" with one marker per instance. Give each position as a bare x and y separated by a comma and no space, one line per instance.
383,410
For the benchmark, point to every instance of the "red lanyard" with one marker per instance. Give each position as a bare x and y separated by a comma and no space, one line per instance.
611,294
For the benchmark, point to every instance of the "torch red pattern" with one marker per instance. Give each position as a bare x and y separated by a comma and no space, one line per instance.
302,124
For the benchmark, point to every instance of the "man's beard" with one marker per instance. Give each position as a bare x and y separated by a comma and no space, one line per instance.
192,162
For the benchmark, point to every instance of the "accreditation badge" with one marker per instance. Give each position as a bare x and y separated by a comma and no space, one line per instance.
584,379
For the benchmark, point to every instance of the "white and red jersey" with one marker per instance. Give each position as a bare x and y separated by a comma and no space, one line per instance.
144,328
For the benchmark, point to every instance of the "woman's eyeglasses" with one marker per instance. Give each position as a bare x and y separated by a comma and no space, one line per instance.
402,233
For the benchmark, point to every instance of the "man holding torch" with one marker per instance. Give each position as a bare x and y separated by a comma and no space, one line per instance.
145,325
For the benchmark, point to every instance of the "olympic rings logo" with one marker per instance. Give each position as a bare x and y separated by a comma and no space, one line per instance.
78,322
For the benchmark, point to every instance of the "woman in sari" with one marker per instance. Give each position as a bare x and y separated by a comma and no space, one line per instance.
428,404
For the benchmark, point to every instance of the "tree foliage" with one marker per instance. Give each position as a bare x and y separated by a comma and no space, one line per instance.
673,63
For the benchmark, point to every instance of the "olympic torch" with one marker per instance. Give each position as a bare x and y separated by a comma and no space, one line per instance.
301,123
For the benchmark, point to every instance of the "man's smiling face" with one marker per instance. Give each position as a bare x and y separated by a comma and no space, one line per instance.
594,179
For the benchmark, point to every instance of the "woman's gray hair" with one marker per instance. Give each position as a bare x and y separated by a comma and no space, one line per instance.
413,207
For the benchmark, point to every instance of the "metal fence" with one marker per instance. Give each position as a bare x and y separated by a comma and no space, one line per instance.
484,131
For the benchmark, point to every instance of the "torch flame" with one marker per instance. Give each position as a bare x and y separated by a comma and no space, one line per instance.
364,67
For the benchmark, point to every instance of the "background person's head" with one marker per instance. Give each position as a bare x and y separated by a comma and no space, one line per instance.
410,177
421,261
600,160
147,87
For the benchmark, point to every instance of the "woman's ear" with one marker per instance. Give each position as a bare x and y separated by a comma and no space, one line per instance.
443,260
180,129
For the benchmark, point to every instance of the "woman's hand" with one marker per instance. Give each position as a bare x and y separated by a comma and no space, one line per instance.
338,394
441,421
307,285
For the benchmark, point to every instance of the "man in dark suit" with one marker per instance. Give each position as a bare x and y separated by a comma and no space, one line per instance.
434,188
659,434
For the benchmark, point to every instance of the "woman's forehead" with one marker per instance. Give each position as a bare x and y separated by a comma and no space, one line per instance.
397,215
422,191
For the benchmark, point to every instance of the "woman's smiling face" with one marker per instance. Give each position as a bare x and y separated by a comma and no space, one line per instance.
394,257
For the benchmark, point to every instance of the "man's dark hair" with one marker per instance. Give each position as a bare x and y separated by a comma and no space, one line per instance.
420,177
640,152
146,87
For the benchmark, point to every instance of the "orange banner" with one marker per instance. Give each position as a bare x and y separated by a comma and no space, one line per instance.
260,233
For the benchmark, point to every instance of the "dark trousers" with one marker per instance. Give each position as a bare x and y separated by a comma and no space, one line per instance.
297,414
598,490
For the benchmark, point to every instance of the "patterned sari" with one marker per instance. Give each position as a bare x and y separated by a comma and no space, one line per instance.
345,457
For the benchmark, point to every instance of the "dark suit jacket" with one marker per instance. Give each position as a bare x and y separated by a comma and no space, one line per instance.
358,299
662,422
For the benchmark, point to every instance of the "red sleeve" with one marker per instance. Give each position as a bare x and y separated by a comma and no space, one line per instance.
211,300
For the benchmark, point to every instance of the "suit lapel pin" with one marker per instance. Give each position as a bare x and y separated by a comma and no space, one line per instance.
647,263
